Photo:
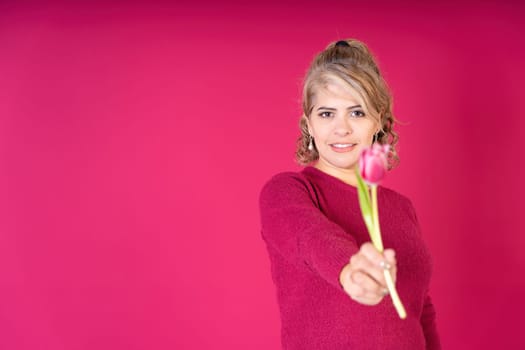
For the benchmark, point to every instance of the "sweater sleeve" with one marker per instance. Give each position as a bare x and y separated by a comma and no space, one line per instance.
428,323
297,229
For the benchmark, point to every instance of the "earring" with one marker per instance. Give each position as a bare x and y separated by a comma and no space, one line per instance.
375,138
311,144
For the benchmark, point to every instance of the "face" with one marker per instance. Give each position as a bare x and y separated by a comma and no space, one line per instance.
342,127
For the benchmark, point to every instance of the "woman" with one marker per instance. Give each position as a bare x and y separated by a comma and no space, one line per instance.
329,277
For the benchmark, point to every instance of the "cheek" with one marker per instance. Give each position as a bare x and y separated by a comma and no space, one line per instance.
368,129
320,131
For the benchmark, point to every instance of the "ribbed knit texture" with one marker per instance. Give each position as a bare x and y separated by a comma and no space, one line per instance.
311,223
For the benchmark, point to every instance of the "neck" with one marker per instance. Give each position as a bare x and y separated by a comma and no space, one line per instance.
346,175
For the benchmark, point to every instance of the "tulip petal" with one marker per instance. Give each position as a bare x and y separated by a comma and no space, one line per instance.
373,164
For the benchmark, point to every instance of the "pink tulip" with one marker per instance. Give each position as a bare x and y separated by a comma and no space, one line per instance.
373,163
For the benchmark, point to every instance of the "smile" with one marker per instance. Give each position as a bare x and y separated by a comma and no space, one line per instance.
342,147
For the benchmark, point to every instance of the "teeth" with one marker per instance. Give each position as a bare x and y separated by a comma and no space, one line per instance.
343,145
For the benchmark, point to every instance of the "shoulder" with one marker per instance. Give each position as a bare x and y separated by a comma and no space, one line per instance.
286,178
399,198
399,201
286,186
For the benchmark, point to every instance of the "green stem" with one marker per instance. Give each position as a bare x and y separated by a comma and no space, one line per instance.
378,243
393,294
375,218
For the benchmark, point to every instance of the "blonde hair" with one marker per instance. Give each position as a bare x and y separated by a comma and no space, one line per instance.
352,62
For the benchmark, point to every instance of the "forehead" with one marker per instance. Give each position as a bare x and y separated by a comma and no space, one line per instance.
334,90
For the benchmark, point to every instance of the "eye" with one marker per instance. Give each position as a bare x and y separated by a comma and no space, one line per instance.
326,114
358,114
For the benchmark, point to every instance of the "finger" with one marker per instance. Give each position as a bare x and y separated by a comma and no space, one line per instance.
386,260
369,299
353,289
372,253
376,296
358,294
390,255
361,262
370,286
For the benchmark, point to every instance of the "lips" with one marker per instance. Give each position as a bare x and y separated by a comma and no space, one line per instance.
342,147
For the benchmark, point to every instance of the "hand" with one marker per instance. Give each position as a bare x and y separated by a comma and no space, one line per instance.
363,278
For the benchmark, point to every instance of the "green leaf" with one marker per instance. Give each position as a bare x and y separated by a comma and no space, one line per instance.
364,202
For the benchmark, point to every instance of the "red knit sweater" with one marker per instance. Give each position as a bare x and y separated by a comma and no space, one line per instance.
311,223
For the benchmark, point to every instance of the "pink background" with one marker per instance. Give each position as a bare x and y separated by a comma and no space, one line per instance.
134,140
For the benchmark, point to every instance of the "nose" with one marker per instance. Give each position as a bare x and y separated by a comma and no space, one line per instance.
342,127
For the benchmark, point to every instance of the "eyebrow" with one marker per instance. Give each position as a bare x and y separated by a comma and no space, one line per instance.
334,109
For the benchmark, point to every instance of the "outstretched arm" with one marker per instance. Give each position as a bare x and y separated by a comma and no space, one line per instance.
294,226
